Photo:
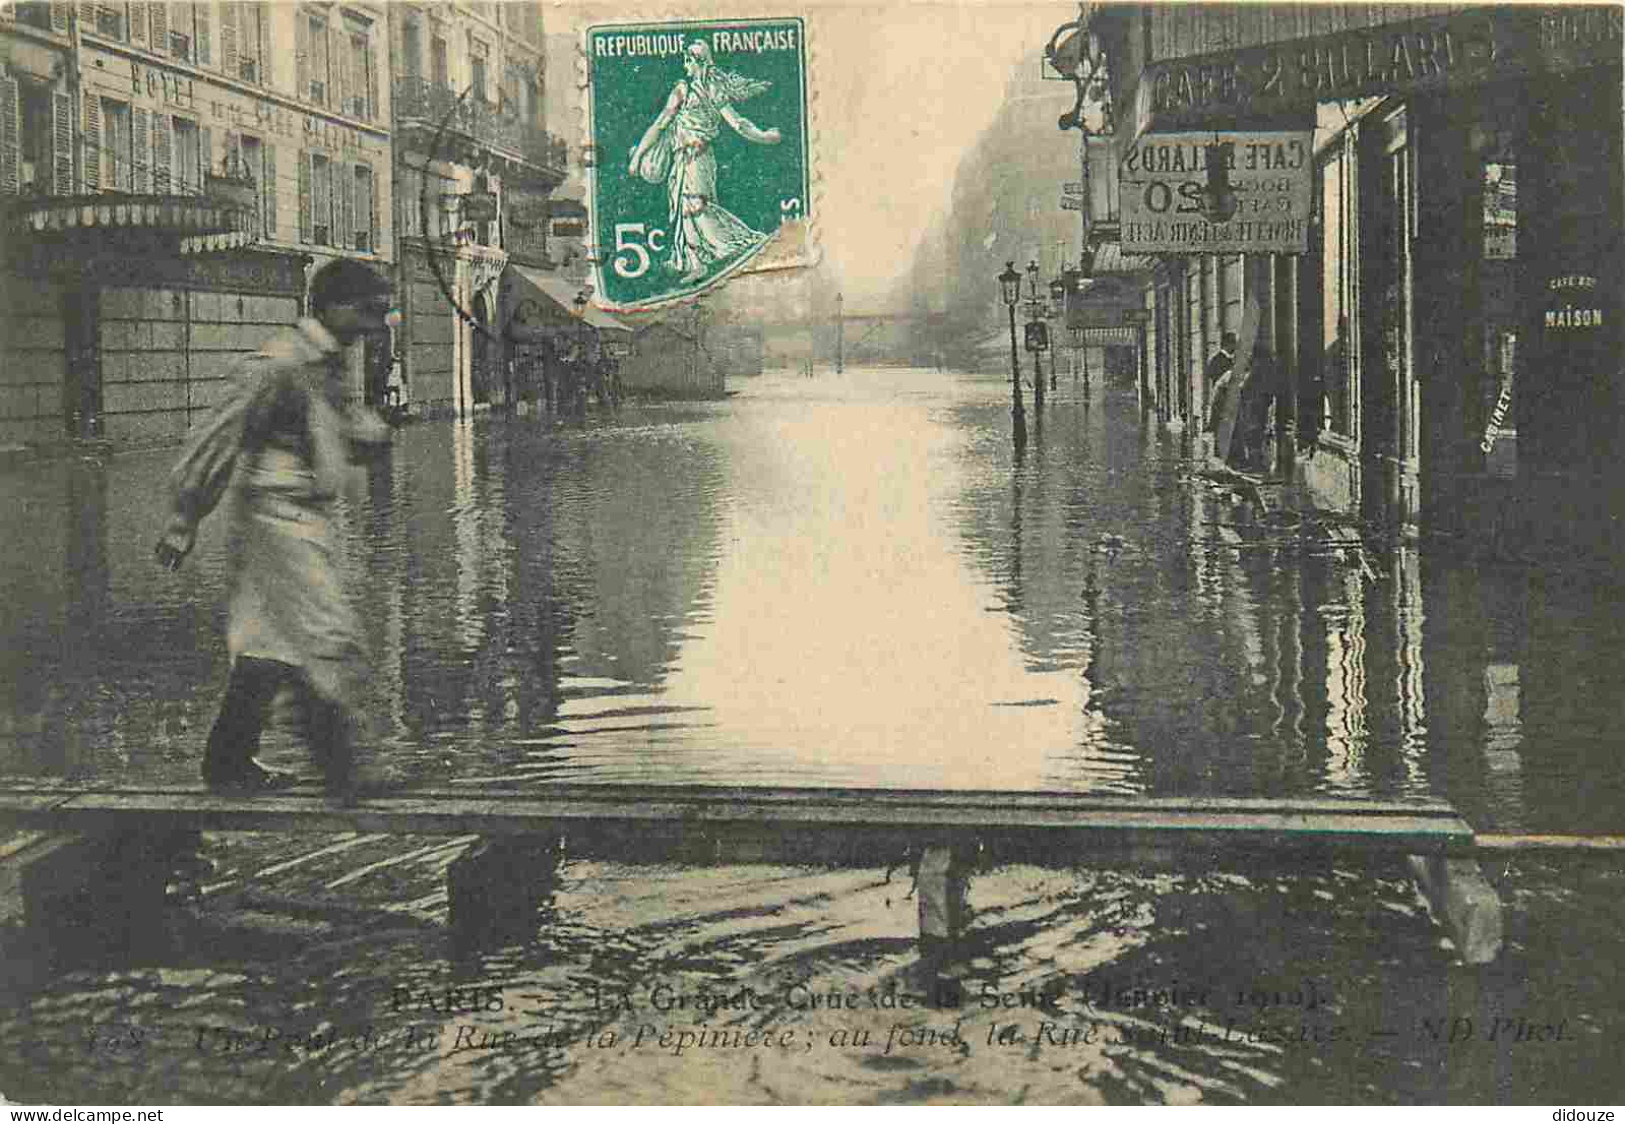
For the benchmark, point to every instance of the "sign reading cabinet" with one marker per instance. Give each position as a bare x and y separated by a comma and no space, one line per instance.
1163,178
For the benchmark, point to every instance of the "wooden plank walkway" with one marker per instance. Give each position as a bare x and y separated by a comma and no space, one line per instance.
1063,826
947,833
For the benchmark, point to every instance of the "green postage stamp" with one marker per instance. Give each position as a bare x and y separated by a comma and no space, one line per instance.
699,131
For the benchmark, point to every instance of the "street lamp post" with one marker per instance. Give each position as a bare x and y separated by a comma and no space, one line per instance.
1057,292
579,382
1035,316
1010,287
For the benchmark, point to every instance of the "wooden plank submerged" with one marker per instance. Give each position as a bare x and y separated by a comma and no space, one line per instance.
821,824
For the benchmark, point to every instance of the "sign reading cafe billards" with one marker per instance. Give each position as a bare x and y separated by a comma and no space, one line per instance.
701,141
1163,179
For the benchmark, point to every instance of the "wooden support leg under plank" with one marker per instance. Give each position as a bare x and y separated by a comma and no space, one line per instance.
1463,902
498,886
940,890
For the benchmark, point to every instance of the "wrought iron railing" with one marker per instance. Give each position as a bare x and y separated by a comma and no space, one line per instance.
472,117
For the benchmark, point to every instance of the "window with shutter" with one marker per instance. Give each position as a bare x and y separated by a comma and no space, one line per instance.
140,178
254,165
320,77
229,61
232,161
271,188
205,151
159,11
92,159
301,51
305,207
188,157
162,182
59,16
11,137
363,221
321,200
202,32
138,24
343,206
62,144
118,163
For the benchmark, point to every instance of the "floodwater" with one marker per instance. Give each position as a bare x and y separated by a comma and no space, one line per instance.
847,580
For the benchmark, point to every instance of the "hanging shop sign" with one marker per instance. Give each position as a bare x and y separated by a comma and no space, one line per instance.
1163,192
1436,52
1105,337
1575,306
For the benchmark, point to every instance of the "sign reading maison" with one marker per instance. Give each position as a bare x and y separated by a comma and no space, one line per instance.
1163,177
1438,51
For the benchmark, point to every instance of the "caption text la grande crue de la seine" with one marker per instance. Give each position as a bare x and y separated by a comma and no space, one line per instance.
682,1019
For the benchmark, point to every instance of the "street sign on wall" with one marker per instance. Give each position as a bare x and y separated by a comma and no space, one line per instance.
1163,177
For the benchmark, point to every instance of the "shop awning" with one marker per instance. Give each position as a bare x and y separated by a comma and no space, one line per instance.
537,302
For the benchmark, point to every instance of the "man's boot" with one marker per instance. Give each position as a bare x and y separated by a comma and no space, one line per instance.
334,733
228,762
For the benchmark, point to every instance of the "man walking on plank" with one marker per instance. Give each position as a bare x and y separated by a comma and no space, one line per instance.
280,442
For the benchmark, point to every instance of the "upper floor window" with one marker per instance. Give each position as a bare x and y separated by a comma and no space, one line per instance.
439,71
118,151
34,13
188,157
243,39
411,49
357,69
319,76
110,20
480,62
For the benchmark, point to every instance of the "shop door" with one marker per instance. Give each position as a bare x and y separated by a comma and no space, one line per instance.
1390,393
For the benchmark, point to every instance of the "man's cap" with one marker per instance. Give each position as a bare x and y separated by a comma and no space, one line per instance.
345,281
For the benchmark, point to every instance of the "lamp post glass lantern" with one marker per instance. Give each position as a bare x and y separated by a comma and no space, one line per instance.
1010,289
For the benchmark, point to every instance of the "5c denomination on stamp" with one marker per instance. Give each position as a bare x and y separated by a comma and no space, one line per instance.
701,151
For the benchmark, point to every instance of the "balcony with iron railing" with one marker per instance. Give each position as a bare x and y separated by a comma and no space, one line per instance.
434,119
143,211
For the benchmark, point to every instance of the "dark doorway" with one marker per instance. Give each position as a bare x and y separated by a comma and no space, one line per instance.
82,388
479,375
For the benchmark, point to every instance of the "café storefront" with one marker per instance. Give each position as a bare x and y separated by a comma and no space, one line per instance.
1446,336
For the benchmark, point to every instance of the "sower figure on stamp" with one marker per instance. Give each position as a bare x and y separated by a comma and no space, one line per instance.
280,443
676,149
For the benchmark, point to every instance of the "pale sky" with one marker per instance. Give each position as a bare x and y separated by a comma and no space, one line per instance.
900,89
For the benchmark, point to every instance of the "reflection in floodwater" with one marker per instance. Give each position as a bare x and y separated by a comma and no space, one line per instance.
829,581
